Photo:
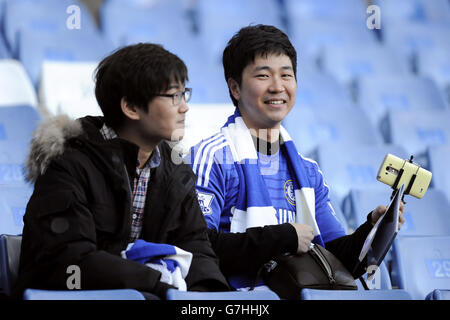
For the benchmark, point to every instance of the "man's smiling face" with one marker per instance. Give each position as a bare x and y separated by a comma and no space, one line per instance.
267,92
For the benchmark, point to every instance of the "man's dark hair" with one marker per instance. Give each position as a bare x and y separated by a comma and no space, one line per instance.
253,41
136,72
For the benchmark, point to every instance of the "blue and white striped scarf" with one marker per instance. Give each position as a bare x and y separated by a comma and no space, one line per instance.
254,207
171,261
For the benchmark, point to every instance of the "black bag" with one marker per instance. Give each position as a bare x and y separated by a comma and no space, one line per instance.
316,269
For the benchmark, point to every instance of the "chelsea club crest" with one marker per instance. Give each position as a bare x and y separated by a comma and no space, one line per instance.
289,192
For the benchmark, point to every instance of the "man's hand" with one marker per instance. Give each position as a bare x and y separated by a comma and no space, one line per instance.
380,210
305,235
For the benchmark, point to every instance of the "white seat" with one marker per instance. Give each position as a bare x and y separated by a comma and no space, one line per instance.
202,121
69,88
15,85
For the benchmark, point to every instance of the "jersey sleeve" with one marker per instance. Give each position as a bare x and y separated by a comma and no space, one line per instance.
210,183
329,225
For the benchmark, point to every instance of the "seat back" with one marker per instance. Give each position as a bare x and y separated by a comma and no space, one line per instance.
17,88
345,125
408,38
173,294
417,130
9,261
354,166
67,87
314,294
112,294
380,281
429,216
439,158
381,95
13,202
202,121
122,21
438,294
46,16
18,122
36,47
311,87
351,62
421,264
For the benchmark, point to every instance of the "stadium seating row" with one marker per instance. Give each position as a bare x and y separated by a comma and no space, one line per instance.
335,37
362,93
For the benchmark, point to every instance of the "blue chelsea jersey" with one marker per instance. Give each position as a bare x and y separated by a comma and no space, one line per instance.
218,198
217,186
279,182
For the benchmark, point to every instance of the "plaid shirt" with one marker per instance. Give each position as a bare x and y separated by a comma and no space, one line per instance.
140,184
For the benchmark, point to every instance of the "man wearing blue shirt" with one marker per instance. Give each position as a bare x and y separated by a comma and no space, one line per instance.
259,196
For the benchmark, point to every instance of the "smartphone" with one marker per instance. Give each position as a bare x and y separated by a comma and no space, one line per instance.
392,166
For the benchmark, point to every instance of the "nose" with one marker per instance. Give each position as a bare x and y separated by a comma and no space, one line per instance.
276,85
183,108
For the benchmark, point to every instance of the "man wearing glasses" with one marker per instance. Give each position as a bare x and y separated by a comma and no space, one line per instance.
102,183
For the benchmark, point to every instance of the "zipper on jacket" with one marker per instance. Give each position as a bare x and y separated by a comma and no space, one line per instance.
323,262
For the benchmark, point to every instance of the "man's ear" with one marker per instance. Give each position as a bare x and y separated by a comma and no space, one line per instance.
129,109
234,88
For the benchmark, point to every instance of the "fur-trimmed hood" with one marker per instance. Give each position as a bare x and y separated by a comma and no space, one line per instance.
48,142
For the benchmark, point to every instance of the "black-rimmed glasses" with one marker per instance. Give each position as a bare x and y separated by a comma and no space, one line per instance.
176,97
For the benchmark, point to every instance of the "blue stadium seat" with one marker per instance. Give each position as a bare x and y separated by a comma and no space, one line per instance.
12,158
438,294
9,265
421,264
208,85
429,216
35,47
127,22
4,51
113,294
13,202
336,203
313,84
16,86
9,262
360,201
407,11
311,37
314,294
325,10
379,95
202,121
173,294
349,63
407,39
18,122
345,125
43,16
381,279
348,166
439,158
219,20
68,87
417,130
435,64
16,127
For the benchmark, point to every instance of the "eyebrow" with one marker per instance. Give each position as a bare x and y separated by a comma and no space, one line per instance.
259,68
173,86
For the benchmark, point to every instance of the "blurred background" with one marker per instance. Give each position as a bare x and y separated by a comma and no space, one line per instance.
373,78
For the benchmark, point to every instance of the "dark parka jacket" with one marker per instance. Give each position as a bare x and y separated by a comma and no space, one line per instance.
80,213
